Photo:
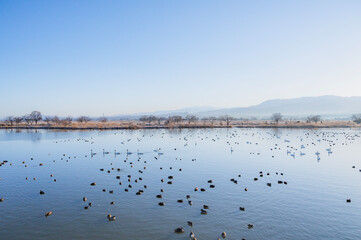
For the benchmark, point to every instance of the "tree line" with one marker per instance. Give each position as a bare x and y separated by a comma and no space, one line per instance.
35,117
190,119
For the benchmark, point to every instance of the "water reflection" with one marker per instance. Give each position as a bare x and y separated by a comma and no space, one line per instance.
282,193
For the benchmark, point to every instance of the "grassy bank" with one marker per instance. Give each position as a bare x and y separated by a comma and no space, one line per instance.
95,125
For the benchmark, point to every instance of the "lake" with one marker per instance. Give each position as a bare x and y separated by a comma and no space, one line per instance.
303,180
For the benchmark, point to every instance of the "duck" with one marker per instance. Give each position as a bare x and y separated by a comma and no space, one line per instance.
111,218
179,230
47,214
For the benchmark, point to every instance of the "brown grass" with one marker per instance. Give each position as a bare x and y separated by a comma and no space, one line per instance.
200,124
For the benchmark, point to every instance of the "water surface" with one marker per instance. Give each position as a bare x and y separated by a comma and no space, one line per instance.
312,205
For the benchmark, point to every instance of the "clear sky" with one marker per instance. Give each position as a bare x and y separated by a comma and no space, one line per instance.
114,57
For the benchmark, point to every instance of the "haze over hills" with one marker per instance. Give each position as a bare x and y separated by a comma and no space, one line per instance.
326,106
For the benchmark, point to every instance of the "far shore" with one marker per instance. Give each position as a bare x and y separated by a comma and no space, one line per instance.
114,125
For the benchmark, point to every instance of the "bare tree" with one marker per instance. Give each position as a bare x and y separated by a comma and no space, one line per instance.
313,118
103,119
9,120
212,120
18,120
160,119
86,119
167,121
356,118
244,121
28,119
48,120
68,120
204,120
56,120
276,117
36,116
227,119
82,119
143,119
152,119
191,119
220,119
176,119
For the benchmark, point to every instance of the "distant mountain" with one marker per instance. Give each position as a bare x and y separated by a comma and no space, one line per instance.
326,106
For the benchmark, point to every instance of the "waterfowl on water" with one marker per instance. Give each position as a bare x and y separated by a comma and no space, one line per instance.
179,230
47,214
110,217
203,212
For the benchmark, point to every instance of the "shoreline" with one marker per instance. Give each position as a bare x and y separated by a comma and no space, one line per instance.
138,127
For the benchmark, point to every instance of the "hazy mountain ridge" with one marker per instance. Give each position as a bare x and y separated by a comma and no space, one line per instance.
327,106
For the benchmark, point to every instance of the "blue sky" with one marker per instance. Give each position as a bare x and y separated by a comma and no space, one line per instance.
114,57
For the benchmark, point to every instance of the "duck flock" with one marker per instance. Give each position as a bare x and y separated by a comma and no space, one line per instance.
170,172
